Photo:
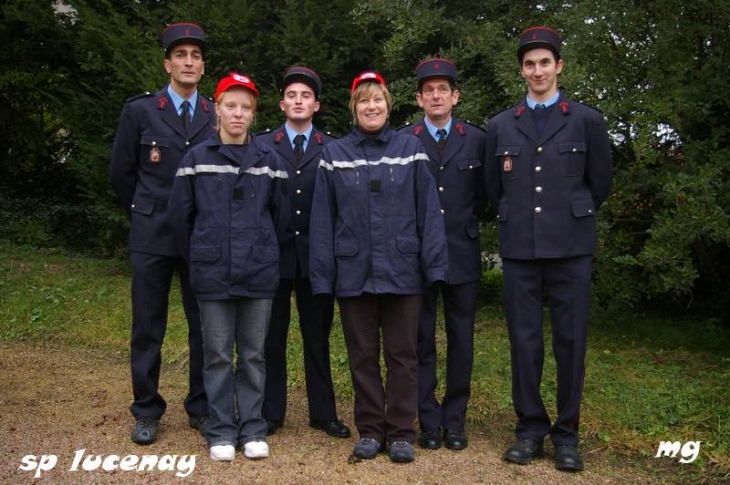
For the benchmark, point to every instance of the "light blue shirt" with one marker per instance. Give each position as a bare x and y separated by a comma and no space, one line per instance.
554,99
177,100
291,134
433,129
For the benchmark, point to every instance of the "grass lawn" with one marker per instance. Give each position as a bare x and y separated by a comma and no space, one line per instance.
648,380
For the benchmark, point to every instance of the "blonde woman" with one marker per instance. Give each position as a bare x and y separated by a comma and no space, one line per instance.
377,241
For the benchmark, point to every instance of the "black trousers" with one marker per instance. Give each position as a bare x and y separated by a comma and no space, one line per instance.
459,309
151,280
566,283
315,323
387,412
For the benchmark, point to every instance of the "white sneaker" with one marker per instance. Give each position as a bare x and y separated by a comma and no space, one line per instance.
222,452
256,449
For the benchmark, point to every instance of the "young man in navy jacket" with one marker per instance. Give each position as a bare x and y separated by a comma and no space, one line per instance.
548,171
299,144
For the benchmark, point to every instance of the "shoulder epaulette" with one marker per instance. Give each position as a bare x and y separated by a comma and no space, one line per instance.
139,96
586,105
403,127
263,132
467,122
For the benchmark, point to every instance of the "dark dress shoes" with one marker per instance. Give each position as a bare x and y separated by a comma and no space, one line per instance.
335,428
524,451
198,423
567,458
273,426
455,439
145,431
430,439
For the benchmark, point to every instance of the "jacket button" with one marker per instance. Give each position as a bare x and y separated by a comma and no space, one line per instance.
187,143
296,233
539,149
506,153
590,211
538,210
441,167
154,143
441,189
299,191
442,212
538,189
471,167
538,169
299,172
298,212
574,150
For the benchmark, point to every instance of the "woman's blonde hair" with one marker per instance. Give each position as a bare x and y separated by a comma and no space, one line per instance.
368,90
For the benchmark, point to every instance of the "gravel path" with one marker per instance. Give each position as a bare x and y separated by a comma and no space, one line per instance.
58,401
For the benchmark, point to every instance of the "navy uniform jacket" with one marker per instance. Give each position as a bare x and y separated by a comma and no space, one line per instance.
147,151
228,205
376,225
294,242
458,175
548,188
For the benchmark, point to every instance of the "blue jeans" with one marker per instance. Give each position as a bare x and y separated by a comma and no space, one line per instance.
235,393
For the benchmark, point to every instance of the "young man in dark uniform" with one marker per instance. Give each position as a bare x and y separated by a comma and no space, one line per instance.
548,170
455,150
155,131
299,144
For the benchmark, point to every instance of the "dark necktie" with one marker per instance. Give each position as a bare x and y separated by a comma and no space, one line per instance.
441,141
540,115
299,146
185,115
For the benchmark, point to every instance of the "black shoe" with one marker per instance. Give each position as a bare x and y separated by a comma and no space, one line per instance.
455,440
145,431
199,423
524,451
430,439
567,458
273,426
335,428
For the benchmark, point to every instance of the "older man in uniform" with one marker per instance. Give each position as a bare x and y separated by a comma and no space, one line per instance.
155,131
299,144
455,150
548,170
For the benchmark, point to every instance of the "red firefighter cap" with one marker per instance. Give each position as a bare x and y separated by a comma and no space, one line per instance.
304,75
182,33
536,37
232,80
367,77
436,67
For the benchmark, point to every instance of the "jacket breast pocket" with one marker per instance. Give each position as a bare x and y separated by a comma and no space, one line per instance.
153,149
509,157
572,158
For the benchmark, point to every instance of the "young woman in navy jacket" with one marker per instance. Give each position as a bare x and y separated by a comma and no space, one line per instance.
229,203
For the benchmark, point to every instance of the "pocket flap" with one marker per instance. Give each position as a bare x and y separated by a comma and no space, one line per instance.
143,205
469,164
154,140
583,208
574,147
265,254
408,245
204,253
346,247
507,151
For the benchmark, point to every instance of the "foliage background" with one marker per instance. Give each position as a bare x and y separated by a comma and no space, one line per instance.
659,70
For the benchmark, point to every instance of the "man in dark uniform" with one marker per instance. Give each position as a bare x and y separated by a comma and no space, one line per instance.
548,169
455,150
299,144
155,131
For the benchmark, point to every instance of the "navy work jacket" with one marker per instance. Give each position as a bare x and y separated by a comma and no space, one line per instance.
459,181
376,225
150,143
228,204
547,187
294,242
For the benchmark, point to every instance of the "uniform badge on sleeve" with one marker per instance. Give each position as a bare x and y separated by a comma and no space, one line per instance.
155,155
507,164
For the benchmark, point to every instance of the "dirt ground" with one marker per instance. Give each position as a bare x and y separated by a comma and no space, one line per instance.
59,401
